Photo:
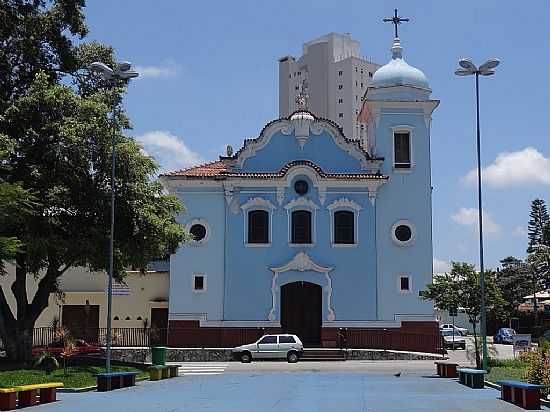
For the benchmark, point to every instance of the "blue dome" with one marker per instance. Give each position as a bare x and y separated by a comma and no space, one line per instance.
398,73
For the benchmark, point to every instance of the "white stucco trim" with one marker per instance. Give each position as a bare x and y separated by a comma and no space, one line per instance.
204,283
287,127
403,129
302,203
345,204
374,324
301,263
413,233
258,203
198,221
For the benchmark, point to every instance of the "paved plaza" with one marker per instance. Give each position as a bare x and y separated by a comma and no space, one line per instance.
277,386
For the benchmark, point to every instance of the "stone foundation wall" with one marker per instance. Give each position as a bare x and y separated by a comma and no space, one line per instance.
143,355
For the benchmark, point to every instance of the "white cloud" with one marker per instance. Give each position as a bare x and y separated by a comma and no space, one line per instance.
524,167
441,266
156,71
170,151
519,231
469,217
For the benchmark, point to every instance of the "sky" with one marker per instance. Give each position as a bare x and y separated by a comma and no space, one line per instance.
209,77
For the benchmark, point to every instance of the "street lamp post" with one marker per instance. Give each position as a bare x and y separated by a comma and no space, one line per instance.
121,72
467,68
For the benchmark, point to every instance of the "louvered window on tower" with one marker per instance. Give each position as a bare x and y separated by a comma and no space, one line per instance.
301,227
258,226
402,150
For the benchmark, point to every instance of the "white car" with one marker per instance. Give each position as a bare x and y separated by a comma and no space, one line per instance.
458,341
285,346
462,331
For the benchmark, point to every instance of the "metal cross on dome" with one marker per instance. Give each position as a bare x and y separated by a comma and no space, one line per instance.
396,21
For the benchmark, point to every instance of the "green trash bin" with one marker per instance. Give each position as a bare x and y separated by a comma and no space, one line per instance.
158,355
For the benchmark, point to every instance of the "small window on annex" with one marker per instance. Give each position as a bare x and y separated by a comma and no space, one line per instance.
402,150
344,230
198,282
258,226
404,284
301,227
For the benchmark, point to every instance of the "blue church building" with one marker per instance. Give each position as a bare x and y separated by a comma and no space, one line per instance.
305,231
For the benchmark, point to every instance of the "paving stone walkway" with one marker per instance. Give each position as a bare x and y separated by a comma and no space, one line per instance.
302,391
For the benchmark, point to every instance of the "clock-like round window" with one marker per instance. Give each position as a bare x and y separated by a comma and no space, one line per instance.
198,231
301,187
403,233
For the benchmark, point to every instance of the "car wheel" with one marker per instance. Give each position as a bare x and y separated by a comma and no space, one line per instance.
292,357
246,357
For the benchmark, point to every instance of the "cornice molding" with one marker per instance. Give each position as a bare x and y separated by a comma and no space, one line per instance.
344,202
258,202
301,202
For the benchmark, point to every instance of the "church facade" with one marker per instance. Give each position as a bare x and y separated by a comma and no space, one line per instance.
305,231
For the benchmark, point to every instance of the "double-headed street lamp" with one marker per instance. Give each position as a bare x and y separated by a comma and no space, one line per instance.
467,68
114,76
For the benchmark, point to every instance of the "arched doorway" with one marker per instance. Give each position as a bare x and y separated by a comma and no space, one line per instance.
302,311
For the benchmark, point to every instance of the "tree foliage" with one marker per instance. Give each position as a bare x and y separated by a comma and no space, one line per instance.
56,115
515,282
538,226
461,288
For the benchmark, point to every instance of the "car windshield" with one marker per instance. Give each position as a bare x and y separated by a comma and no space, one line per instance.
508,331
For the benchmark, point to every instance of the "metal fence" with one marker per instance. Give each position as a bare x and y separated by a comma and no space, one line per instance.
121,337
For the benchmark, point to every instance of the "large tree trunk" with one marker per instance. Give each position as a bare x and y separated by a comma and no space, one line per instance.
16,332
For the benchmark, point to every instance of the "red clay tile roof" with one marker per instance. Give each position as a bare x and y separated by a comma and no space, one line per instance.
219,170
210,169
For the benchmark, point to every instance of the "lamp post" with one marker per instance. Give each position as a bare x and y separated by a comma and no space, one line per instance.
121,72
467,68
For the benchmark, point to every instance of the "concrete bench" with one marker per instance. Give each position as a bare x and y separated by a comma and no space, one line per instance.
473,378
157,372
446,369
115,380
28,395
526,395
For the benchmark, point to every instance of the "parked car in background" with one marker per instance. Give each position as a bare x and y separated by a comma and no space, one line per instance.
462,331
504,335
287,347
453,338
546,335
81,348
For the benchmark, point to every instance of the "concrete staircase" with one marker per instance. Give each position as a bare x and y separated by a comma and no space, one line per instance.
323,355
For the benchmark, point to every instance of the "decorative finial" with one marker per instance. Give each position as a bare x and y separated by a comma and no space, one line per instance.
229,150
396,20
302,97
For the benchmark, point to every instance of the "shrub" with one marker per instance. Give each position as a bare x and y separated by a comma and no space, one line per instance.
538,371
47,362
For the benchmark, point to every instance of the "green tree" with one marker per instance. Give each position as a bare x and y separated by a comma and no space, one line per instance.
538,249
15,202
514,282
539,222
460,287
58,117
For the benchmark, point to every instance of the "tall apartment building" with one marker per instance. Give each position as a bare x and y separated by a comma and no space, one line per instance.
337,78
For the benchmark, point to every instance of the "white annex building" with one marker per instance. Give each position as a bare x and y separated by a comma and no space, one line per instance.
337,78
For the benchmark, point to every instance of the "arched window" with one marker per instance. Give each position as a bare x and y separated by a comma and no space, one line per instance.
301,227
258,226
344,230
